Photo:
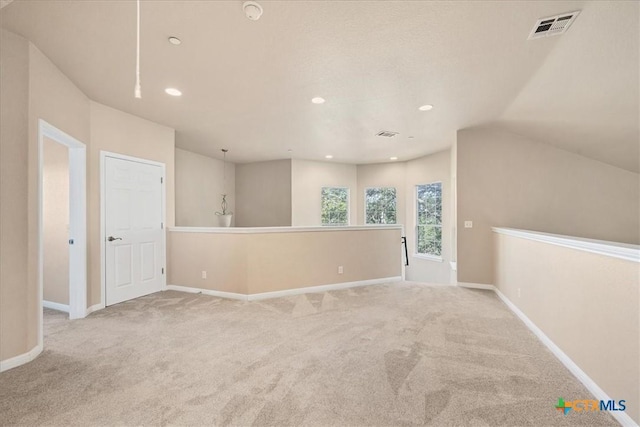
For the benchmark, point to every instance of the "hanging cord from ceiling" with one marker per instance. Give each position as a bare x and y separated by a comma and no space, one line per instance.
224,171
138,90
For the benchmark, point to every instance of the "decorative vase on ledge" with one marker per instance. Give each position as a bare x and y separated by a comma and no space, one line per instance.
224,217
225,220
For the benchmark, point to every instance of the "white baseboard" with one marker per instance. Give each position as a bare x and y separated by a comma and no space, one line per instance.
322,288
55,306
287,292
21,359
94,307
623,418
476,286
228,295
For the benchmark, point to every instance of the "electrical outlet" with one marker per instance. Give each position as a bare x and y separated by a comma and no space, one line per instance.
519,293
340,269
204,274
468,224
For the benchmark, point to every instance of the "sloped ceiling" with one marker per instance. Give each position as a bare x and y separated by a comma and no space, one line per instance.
584,97
247,85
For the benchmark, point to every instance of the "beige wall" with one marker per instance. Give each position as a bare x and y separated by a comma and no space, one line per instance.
33,89
586,303
199,186
405,176
222,256
425,170
263,194
37,85
505,180
312,259
55,221
14,232
118,132
307,179
55,99
259,185
268,262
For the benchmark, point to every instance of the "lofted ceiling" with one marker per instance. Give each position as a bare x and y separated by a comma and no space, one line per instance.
584,97
247,85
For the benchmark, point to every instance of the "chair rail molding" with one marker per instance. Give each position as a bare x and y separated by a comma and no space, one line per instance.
602,247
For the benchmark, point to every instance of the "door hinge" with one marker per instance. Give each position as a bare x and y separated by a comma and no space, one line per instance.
162,225
161,180
162,270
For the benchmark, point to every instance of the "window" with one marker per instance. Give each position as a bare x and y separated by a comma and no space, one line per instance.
335,206
429,219
380,205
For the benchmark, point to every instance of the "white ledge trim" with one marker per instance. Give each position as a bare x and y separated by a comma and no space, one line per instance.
263,230
611,249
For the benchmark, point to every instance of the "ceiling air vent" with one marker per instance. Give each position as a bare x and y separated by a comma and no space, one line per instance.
553,25
386,134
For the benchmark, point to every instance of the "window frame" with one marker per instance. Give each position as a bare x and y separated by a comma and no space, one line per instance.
417,254
364,198
348,205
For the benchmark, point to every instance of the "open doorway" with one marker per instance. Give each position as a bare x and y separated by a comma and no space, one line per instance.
62,211
55,225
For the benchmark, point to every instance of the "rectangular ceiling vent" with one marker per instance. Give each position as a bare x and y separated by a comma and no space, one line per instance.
386,133
553,25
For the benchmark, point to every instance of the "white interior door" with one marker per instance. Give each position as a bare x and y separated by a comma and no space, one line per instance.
133,229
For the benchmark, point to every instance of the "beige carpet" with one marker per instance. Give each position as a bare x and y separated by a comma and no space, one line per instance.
392,355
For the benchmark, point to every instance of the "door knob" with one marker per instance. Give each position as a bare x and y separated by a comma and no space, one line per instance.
111,238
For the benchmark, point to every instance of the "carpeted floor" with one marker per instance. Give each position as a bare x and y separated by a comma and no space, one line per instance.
388,355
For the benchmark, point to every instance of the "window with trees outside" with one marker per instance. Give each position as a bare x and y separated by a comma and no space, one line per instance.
429,219
380,205
335,206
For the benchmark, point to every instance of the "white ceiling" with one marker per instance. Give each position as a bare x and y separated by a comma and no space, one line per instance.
247,85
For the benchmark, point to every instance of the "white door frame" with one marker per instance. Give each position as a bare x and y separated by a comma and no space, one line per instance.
77,222
103,235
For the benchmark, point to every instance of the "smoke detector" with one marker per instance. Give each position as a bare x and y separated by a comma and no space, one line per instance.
553,25
252,9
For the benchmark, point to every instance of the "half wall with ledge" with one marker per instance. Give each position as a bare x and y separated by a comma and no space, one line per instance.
581,298
265,262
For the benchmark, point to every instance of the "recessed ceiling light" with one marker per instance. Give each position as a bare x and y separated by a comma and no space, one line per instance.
425,107
175,41
173,92
317,100
393,158
410,137
328,156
